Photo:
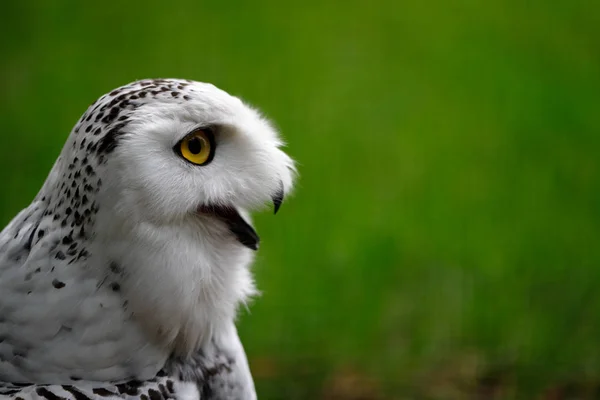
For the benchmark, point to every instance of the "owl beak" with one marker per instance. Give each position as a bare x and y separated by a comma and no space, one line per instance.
242,230
278,198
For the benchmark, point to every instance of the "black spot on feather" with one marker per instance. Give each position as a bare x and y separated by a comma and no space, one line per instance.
110,141
58,284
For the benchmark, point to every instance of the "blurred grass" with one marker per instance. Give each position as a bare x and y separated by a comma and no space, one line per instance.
444,235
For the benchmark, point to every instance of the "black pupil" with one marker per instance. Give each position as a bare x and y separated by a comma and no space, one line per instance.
195,145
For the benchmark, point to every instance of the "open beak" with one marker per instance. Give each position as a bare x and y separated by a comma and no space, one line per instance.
242,230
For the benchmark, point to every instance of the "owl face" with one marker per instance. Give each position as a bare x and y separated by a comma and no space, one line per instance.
177,151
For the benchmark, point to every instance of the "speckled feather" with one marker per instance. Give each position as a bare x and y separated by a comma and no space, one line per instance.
111,283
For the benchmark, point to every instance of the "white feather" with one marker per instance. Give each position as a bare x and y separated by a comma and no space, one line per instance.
130,275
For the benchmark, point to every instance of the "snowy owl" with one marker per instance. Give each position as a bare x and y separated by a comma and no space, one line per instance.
122,278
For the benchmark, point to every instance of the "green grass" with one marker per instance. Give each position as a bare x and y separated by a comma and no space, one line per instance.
445,231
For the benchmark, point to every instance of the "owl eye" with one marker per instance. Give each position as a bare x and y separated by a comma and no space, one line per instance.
198,147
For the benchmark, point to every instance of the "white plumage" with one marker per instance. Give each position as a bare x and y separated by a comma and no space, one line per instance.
131,262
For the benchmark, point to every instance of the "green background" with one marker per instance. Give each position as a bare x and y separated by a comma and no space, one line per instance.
443,241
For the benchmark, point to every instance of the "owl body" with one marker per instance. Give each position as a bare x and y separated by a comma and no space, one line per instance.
130,264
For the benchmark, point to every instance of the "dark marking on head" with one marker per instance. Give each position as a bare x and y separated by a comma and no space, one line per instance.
109,142
115,268
58,284
113,113
83,254
31,236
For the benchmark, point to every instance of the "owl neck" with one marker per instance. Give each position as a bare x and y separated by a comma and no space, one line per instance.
183,283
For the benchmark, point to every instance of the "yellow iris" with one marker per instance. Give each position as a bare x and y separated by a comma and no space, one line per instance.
196,147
